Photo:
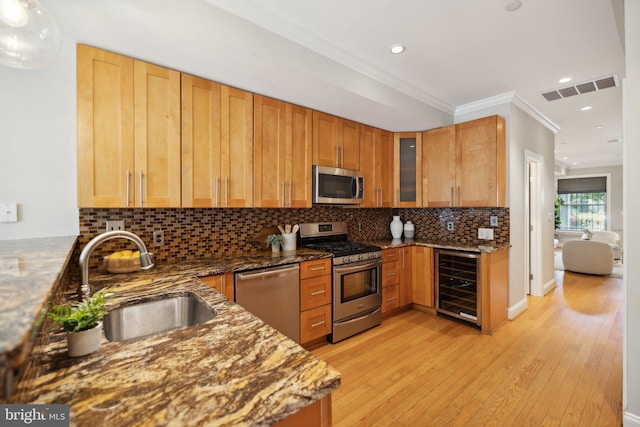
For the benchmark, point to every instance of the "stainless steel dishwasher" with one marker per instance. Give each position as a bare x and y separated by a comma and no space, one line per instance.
273,295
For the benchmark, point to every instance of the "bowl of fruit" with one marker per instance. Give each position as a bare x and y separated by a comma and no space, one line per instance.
126,261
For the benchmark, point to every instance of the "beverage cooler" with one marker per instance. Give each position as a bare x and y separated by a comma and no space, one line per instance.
458,285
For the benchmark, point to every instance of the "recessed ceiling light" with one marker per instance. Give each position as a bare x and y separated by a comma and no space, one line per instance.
586,108
564,80
599,126
513,6
397,48
565,158
574,163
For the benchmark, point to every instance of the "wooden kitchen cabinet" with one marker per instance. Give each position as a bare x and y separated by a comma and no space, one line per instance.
376,161
336,142
391,275
217,144
422,276
128,131
465,164
282,154
223,283
316,295
407,155
494,273
406,275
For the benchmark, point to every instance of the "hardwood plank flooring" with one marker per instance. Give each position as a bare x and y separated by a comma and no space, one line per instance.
557,364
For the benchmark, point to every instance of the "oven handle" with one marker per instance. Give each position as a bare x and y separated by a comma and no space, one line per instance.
367,314
356,267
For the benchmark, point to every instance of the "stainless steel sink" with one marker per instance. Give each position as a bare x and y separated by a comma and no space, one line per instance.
144,319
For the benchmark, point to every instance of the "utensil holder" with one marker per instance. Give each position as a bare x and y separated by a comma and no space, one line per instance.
289,243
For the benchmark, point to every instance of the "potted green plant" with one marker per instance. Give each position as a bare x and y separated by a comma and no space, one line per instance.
82,322
557,204
275,240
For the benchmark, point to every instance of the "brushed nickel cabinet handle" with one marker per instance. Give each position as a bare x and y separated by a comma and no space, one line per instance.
317,324
217,191
141,188
337,157
128,188
318,292
227,190
283,200
317,268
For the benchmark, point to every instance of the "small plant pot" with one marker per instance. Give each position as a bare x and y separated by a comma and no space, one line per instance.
275,248
84,342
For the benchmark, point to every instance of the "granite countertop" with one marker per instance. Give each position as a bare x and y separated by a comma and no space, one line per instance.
231,370
29,270
396,243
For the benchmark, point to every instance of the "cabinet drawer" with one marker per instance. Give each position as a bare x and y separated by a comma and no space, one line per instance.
389,255
315,268
315,292
391,272
390,298
315,323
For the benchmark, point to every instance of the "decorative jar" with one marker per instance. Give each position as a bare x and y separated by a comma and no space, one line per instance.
396,227
409,230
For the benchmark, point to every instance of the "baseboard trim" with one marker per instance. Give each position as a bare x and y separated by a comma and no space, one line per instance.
549,286
629,420
518,308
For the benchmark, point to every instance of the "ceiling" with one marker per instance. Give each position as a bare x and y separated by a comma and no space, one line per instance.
333,55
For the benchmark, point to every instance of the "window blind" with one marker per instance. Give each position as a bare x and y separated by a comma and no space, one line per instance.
596,184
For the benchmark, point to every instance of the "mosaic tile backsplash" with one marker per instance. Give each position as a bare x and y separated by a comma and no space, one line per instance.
202,233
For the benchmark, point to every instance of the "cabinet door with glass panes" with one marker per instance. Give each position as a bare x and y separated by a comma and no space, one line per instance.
407,171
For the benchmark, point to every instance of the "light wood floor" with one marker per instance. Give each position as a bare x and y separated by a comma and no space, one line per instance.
559,363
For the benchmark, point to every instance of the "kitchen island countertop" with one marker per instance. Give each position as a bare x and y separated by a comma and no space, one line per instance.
231,370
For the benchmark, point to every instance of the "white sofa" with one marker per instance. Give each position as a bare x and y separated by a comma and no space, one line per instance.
587,256
610,237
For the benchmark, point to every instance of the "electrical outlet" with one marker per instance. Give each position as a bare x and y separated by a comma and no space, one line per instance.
158,238
485,233
450,226
8,212
115,225
359,226
494,221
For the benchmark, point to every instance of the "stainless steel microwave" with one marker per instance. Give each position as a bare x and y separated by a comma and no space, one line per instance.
337,186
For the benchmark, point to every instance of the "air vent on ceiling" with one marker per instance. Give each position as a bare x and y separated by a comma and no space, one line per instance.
581,88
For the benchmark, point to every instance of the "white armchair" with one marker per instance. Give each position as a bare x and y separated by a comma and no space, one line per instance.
587,257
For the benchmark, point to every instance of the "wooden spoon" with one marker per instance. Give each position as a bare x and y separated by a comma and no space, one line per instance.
281,229
295,228
287,228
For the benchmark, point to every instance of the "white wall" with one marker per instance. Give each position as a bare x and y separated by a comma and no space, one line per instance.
631,108
38,148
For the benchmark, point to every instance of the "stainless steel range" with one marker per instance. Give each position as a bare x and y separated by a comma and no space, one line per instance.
357,273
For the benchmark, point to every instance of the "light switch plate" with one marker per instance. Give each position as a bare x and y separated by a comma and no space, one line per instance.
485,233
8,212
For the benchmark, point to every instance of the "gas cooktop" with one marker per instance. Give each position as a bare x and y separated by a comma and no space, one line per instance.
332,237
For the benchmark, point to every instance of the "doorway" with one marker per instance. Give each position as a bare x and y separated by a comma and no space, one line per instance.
533,224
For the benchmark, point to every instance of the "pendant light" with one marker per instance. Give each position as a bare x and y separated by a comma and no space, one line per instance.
29,37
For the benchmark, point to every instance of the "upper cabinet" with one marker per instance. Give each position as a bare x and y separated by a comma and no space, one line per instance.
282,154
465,164
336,142
217,144
407,156
481,163
376,161
128,132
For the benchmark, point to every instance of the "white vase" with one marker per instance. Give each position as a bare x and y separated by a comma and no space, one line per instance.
396,227
84,342
409,230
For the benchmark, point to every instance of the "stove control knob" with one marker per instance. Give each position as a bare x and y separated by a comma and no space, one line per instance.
360,257
347,259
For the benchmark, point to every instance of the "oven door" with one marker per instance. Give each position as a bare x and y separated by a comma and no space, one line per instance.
356,288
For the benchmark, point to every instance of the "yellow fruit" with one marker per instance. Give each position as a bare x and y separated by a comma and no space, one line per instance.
115,255
136,254
127,253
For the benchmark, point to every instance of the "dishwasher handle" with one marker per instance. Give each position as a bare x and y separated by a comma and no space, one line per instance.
268,272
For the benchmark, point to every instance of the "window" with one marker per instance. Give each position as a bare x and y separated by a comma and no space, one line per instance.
584,203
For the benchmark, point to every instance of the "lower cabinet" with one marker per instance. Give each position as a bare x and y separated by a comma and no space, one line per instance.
422,276
396,278
494,273
315,300
222,283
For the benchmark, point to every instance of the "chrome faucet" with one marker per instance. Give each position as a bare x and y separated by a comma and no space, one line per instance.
84,291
